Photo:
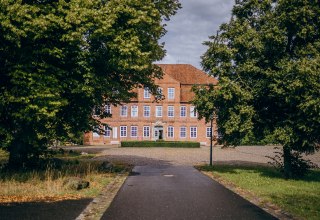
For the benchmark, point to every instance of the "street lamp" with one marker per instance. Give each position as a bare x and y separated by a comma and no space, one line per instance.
213,116
211,134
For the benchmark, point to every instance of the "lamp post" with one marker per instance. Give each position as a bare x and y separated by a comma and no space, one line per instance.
211,134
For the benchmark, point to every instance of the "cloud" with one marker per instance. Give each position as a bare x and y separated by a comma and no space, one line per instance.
191,26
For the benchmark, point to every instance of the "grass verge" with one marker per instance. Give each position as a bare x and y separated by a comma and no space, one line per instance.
48,184
301,197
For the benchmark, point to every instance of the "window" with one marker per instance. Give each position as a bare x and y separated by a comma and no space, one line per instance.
124,111
170,93
158,111
146,111
193,112
160,93
183,132
193,132
134,111
107,109
134,131
123,131
170,132
146,93
107,131
208,132
146,131
183,111
170,111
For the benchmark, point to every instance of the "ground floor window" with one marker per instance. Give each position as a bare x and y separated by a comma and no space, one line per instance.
107,131
183,132
134,131
193,132
208,132
123,131
146,131
170,132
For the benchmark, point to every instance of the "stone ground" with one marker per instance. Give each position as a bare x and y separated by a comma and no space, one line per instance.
187,156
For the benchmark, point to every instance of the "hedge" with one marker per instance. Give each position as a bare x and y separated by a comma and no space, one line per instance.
177,144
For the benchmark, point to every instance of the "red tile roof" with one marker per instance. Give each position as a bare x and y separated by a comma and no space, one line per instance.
187,74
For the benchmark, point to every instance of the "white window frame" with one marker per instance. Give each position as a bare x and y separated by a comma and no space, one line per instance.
146,130
107,109
193,112
171,93
123,131
170,110
132,130
146,109
146,93
158,110
160,91
170,132
134,113
124,111
208,132
193,132
185,132
185,111
107,131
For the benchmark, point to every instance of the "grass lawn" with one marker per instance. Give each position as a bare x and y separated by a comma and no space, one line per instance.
301,198
49,184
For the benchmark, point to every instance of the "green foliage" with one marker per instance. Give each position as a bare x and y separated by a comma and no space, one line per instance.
267,59
174,144
60,59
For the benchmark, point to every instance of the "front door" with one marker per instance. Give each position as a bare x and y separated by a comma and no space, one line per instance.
158,133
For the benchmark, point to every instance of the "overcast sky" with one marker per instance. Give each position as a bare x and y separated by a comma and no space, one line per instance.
191,26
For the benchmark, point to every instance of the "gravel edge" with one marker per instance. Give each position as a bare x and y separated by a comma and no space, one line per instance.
101,203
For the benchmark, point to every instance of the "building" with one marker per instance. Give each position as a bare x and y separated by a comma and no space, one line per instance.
172,119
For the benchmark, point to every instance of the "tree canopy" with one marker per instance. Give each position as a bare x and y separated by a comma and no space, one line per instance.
267,59
61,58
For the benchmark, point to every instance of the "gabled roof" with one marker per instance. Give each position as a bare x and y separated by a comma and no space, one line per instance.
187,74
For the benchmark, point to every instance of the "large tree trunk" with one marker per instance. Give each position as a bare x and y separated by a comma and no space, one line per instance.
17,155
287,163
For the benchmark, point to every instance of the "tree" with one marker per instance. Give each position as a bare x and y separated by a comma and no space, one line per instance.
267,59
60,59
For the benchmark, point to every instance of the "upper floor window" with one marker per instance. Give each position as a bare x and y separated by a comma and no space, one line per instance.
160,92
124,111
170,93
171,111
158,111
134,111
170,132
134,131
183,111
107,109
193,132
193,112
146,93
146,111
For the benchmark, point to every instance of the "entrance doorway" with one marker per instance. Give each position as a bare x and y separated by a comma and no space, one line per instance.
158,133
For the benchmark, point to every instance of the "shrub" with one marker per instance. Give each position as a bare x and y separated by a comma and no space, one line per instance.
177,144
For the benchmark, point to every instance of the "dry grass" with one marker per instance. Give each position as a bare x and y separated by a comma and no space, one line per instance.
48,185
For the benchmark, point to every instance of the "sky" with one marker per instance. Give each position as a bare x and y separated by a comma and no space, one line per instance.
191,26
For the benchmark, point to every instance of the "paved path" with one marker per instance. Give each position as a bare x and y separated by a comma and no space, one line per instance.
167,192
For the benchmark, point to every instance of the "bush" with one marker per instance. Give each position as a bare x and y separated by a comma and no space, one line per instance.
177,144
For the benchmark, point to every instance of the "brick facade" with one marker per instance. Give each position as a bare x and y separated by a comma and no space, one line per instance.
179,78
